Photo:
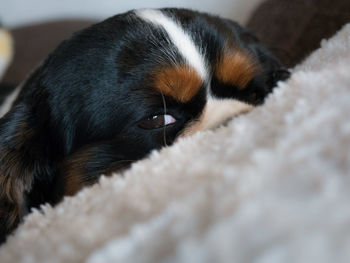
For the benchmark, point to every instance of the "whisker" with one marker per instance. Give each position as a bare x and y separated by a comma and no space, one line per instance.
164,129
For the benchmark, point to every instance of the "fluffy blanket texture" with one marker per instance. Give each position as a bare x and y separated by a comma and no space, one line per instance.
269,186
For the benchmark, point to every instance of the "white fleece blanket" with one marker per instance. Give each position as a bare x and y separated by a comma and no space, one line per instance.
271,186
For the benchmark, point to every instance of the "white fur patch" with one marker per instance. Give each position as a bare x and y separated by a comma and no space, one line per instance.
181,39
215,113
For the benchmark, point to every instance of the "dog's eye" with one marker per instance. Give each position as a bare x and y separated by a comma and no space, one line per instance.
156,121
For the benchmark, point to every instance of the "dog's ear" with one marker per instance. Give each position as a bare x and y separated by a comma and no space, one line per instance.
22,162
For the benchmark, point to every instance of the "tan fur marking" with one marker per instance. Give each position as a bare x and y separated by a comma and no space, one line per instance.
179,82
14,178
11,200
236,68
73,183
73,172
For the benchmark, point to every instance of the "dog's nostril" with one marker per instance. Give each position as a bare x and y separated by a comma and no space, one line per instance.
253,96
276,76
283,74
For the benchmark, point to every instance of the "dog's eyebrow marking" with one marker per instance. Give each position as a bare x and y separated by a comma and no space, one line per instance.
180,82
235,67
182,40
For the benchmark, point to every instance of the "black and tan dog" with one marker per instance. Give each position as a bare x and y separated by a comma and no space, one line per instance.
117,90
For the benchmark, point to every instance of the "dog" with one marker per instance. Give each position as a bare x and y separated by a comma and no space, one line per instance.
119,89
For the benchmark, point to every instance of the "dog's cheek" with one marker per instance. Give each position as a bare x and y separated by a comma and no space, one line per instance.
216,112
11,205
75,172
85,166
17,168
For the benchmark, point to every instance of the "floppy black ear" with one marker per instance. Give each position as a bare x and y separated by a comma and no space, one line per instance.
24,164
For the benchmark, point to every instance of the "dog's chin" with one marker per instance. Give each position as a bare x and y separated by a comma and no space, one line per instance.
216,113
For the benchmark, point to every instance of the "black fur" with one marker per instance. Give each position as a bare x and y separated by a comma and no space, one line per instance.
81,108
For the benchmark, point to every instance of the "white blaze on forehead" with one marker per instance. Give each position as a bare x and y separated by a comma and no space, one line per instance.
182,40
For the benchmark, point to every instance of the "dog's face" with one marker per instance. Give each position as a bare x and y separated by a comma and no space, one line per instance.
121,88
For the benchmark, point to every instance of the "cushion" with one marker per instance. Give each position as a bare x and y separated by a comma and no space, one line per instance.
292,29
33,43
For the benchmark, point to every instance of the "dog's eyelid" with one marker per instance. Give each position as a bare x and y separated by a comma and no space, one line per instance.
156,121
168,119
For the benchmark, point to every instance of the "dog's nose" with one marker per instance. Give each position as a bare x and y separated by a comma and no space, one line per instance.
216,113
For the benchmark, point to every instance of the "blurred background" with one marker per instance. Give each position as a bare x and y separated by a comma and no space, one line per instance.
38,26
290,29
19,12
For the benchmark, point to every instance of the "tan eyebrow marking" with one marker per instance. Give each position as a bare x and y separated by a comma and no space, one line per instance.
180,82
236,67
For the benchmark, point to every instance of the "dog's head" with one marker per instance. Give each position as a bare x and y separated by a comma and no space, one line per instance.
115,91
